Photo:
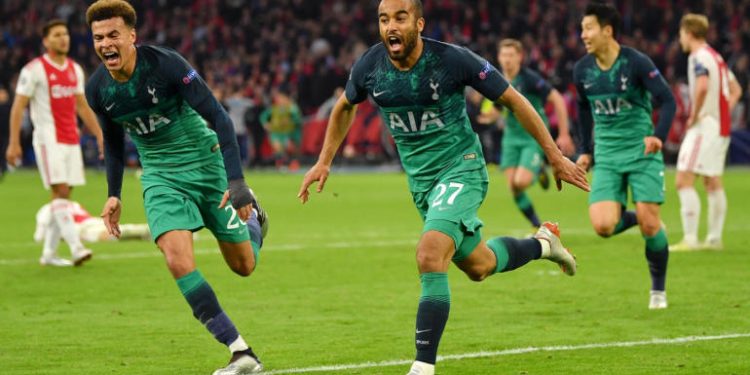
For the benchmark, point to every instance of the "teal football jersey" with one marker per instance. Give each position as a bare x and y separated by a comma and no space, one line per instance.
425,109
620,104
152,108
536,89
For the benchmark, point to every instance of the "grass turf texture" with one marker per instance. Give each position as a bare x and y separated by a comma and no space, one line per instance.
337,284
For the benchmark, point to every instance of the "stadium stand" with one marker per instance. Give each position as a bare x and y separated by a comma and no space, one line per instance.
253,46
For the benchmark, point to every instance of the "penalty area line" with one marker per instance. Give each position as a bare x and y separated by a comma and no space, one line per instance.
499,353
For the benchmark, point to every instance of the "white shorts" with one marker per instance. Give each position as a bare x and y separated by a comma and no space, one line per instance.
92,230
703,151
59,163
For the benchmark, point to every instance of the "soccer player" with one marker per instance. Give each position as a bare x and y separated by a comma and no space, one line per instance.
419,85
615,85
89,228
714,91
54,86
522,157
156,97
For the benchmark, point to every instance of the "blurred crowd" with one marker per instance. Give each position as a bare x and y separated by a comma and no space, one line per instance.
256,54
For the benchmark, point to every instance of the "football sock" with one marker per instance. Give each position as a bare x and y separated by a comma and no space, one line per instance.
690,211
64,219
657,254
134,231
627,221
432,314
717,211
524,204
512,253
51,240
207,310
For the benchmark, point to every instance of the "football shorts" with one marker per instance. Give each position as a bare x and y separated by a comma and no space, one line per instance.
189,200
451,205
59,163
704,150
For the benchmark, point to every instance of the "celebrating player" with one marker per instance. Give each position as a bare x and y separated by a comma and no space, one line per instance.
615,84
155,96
522,158
53,84
714,91
419,85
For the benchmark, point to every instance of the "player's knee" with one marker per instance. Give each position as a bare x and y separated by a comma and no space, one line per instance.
604,229
649,228
243,268
476,274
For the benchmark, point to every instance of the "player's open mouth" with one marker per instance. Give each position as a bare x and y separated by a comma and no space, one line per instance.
395,43
111,58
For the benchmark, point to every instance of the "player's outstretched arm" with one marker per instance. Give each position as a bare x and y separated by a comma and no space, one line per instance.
111,216
564,169
338,126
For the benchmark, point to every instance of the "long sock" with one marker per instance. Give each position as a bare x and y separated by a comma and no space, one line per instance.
512,253
207,310
628,219
524,204
432,314
717,211
63,217
51,240
134,231
657,254
690,211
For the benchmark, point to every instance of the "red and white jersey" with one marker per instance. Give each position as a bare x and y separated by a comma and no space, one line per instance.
52,89
79,213
706,61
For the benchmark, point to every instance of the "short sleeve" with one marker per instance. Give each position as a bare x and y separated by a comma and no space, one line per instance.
356,92
26,82
700,64
81,79
477,72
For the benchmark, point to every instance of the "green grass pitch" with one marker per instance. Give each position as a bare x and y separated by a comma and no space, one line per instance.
337,285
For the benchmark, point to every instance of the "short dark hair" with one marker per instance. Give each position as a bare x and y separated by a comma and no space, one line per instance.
606,15
106,9
51,24
418,7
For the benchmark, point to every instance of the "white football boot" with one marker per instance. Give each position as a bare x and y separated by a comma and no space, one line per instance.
684,246
244,364
55,261
658,300
557,252
713,244
421,368
81,255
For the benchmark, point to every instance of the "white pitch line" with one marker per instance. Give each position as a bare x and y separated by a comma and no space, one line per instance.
203,251
498,353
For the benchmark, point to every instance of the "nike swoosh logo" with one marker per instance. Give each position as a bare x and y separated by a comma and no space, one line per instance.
109,106
376,94
587,85
424,330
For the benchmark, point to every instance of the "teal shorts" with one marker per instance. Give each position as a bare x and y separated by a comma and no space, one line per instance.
644,177
528,156
450,206
189,200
